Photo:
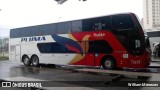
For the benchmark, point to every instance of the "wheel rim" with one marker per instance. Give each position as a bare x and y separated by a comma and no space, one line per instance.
108,63
26,60
35,60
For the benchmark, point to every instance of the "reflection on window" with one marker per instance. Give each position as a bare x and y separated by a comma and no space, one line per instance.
99,46
53,48
137,43
99,23
76,26
122,22
64,27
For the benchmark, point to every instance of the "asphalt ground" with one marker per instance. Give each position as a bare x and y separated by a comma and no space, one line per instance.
68,77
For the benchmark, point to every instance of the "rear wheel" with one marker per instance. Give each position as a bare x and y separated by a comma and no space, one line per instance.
108,63
26,61
35,60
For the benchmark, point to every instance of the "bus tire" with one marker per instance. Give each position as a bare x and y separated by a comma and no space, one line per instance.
26,60
108,63
35,60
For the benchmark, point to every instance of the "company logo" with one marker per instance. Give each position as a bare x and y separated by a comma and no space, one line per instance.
99,34
28,39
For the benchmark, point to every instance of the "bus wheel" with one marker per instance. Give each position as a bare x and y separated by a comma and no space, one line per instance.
35,60
108,63
26,61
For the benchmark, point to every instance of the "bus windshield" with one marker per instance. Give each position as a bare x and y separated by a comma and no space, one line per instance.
128,33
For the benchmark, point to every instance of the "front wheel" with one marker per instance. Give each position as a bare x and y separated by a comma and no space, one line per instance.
108,63
35,60
26,61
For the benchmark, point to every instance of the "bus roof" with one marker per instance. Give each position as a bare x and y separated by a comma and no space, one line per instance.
77,19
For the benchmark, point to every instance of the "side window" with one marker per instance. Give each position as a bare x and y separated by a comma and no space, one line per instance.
102,23
107,22
25,32
14,33
49,29
76,26
36,30
102,46
91,47
122,22
88,24
99,23
45,47
58,48
64,27
53,48
99,46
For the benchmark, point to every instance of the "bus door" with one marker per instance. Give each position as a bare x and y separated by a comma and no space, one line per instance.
96,49
90,53
18,53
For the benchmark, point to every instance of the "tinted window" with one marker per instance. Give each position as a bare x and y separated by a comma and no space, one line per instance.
58,48
36,30
99,23
76,26
128,33
49,29
147,42
64,27
88,24
102,47
45,47
52,48
122,22
25,32
99,46
135,45
91,47
102,23
14,33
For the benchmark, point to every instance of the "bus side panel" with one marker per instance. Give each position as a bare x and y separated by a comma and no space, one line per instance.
12,53
141,61
121,59
12,48
18,53
125,60
29,49
98,58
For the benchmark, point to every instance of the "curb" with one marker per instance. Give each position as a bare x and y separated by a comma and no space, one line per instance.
154,67
4,58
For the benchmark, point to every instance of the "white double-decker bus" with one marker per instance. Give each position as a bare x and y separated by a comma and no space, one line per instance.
110,41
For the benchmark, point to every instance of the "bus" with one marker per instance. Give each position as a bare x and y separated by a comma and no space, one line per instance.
111,41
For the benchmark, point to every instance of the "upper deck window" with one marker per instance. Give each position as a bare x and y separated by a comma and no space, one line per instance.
122,22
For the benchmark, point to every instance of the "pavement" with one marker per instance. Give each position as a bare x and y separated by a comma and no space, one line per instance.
67,75
155,64
155,59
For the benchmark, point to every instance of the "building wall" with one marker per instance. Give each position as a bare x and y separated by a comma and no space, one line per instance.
151,14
